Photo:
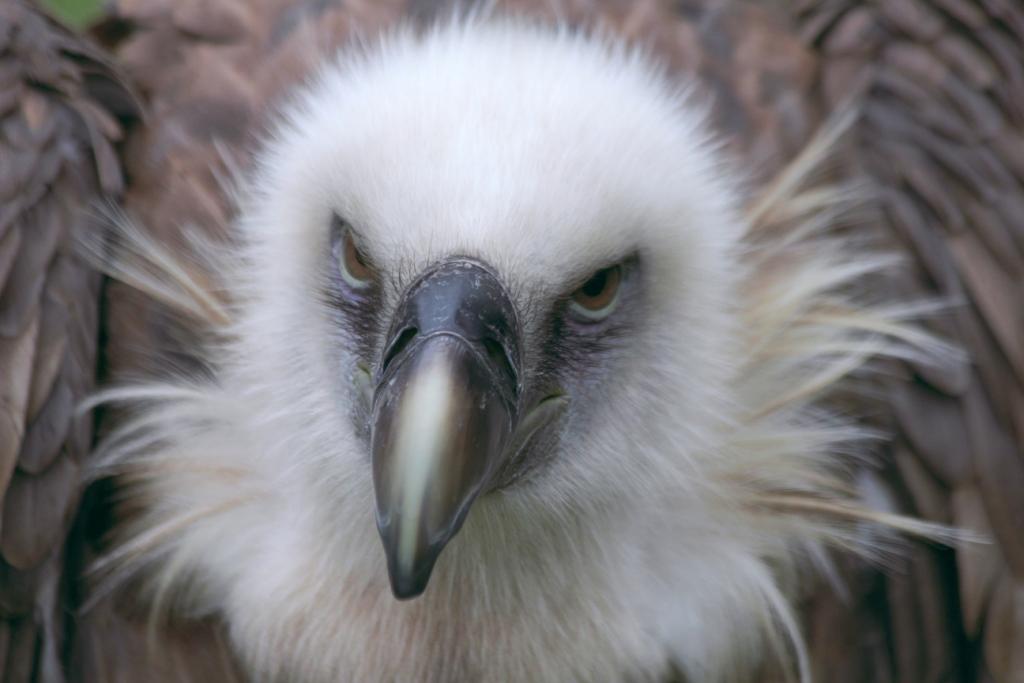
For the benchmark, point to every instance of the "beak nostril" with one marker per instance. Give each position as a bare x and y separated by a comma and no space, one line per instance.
496,352
401,341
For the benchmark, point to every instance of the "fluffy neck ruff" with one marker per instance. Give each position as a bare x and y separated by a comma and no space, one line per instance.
696,583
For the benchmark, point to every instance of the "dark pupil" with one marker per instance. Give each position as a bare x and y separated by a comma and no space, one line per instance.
354,258
595,285
358,256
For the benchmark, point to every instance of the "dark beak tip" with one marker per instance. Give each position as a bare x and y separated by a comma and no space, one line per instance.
409,584
407,589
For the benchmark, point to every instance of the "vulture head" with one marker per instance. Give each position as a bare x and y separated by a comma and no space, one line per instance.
492,277
505,386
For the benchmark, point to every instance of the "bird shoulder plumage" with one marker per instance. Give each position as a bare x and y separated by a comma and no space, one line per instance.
62,109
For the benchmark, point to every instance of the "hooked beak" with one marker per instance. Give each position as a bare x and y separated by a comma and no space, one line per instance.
444,408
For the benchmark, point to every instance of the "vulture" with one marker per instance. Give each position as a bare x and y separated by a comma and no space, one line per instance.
540,341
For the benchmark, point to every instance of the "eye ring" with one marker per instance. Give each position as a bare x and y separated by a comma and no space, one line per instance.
354,267
596,298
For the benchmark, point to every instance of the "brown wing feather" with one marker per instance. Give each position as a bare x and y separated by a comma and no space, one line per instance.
942,88
941,140
58,124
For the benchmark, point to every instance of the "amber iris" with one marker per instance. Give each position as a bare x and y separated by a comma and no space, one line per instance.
597,297
353,264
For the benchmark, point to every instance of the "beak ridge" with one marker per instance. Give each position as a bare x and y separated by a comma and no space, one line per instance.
443,411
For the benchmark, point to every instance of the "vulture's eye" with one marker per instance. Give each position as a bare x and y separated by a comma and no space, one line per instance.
355,269
597,298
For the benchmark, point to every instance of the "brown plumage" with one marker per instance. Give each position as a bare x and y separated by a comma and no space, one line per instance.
941,140
61,103
940,87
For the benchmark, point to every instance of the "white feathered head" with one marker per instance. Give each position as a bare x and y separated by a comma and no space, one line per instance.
495,293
